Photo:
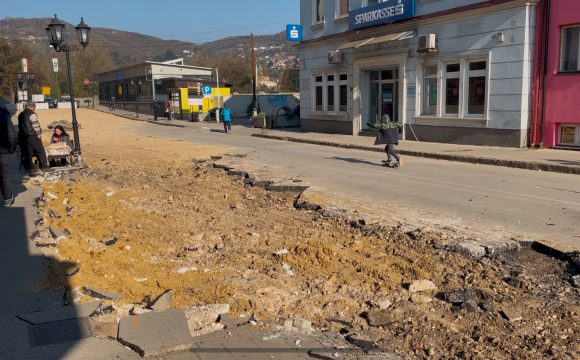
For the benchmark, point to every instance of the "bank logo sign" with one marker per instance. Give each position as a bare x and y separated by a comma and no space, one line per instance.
382,13
294,32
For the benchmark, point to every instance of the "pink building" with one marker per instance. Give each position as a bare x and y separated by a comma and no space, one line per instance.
556,95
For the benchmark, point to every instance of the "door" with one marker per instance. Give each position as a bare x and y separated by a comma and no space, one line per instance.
383,99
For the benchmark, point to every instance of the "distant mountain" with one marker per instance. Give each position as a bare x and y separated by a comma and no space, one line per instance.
128,48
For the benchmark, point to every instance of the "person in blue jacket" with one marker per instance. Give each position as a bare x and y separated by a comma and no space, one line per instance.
227,118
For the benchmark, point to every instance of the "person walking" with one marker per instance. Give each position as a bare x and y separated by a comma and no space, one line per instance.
169,108
30,138
227,117
112,103
8,144
388,134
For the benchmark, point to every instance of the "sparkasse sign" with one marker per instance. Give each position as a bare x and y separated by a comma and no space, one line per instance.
381,13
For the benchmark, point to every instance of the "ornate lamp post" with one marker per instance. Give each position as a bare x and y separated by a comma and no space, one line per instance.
55,32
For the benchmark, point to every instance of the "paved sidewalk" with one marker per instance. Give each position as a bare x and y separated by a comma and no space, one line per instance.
551,160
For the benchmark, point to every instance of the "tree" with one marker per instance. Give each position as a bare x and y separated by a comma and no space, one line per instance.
291,78
86,64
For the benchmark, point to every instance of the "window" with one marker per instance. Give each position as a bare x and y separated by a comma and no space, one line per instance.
570,53
342,7
318,11
343,93
569,135
455,89
476,91
318,96
430,90
331,93
452,89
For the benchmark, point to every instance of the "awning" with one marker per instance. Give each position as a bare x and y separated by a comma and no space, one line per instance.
376,40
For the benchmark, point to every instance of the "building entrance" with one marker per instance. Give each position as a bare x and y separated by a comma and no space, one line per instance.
383,96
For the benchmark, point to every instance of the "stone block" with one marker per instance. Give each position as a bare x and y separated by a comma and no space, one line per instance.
511,315
163,301
204,317
286,323
155,333
302,324
421,286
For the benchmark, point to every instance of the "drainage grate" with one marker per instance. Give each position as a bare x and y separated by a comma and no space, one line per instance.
59,331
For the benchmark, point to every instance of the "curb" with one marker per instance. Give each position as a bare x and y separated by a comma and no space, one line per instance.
518,164
141,120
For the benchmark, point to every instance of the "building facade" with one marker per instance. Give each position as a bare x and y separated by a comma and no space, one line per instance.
454,71
556,118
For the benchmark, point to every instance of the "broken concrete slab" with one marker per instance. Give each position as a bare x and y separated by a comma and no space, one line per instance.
58,234
379,318
468,249
63,313
201,320
511,315
99,294
155,333
421,286
163,301
110,241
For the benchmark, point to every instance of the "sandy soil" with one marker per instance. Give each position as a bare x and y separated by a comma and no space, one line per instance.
184,226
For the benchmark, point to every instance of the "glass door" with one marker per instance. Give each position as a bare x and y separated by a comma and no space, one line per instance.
383,99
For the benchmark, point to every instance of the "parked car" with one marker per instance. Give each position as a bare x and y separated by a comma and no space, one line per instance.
51,102
68,99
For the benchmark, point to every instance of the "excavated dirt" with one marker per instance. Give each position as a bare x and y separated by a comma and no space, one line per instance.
185,226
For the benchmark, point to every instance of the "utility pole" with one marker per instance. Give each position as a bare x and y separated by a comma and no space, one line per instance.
254,76
217,113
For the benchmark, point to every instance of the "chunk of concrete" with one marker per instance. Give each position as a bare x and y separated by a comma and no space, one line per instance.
511,315
163,301
302,324
421,286
63,313
470,249
203,318
155,333
58,234
99,294
286,323
379,318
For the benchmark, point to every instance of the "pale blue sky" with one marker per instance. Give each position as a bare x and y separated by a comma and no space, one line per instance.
189,20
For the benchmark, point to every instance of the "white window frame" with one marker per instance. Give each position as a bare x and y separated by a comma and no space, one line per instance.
561,67
315,21
338,7
444,77
576,136
463,75
336,92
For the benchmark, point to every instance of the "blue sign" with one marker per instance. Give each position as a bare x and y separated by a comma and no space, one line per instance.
294,32
381,13
207,90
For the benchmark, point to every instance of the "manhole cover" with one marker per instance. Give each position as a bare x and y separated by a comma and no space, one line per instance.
59,331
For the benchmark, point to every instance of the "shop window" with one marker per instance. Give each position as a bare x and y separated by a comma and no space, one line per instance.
318,11
343,93
318,93
570,135
452,89
343,7
570,53
477,88
430,90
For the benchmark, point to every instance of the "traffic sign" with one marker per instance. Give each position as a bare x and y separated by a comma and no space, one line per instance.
207,89
294,32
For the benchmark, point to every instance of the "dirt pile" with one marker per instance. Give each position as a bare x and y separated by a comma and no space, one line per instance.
181,225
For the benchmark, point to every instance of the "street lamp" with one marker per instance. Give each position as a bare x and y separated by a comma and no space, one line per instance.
55,32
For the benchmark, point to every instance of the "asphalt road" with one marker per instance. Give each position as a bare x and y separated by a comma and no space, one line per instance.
537,205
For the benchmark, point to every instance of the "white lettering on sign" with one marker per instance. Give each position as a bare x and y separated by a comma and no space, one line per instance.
379,14
294,34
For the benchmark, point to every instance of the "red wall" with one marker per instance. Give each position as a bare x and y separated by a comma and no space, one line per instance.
562,89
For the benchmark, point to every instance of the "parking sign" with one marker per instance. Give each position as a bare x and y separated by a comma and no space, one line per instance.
294,32
207,90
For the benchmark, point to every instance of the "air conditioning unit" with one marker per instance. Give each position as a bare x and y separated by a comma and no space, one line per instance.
427,43
335,57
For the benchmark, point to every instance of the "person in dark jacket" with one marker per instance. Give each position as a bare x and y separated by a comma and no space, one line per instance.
30,138
388,134
8,144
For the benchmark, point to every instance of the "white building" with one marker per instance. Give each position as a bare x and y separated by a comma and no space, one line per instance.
456,71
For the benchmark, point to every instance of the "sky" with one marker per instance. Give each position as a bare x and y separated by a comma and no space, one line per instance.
197,21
